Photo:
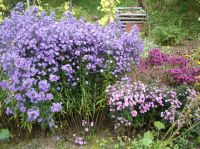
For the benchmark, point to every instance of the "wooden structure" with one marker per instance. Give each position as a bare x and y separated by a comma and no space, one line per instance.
130,16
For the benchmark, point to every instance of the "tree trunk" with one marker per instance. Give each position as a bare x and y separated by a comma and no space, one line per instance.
140,3
70,5
28,4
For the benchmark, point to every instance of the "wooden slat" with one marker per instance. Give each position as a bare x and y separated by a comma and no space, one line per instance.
131,15
137,18
125,8
134,22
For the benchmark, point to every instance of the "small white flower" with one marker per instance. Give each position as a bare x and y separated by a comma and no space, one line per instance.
86,129
92,124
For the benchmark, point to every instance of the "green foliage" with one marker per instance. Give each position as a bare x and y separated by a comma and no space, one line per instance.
2,6
148,139
102,143
159,125
183,142
4,134
198,140
181,14
168,35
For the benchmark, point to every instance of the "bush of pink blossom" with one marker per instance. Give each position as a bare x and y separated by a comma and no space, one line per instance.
134,104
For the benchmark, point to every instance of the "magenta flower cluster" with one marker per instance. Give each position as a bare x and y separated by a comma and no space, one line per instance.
128,99
79,141
38,52
180,70
158,58
185,74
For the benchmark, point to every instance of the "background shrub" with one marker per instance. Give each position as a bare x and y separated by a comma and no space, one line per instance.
168,35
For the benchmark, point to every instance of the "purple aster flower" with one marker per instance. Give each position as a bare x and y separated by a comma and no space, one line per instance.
49,96
3,84
53,78
19,6
44,85
79,141
56,107
67,68
9,111
22,108
18,97
33,114
32,94
41,97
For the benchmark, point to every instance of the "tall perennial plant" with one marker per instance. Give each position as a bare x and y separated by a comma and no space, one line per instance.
61,66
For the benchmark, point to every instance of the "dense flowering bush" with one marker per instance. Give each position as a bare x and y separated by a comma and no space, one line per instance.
185,74
158,58
130,101
178,67
48,60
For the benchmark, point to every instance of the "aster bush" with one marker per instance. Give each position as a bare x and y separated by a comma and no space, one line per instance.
137,104
60,68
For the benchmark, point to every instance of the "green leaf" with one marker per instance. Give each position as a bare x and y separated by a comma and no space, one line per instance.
122,143
159,125
160,145
4,134
147,142
147,139
149,135
116,146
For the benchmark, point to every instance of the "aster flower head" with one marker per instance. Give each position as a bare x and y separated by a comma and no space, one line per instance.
9,111
18,97
43,85
33,114
53,78
56,107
